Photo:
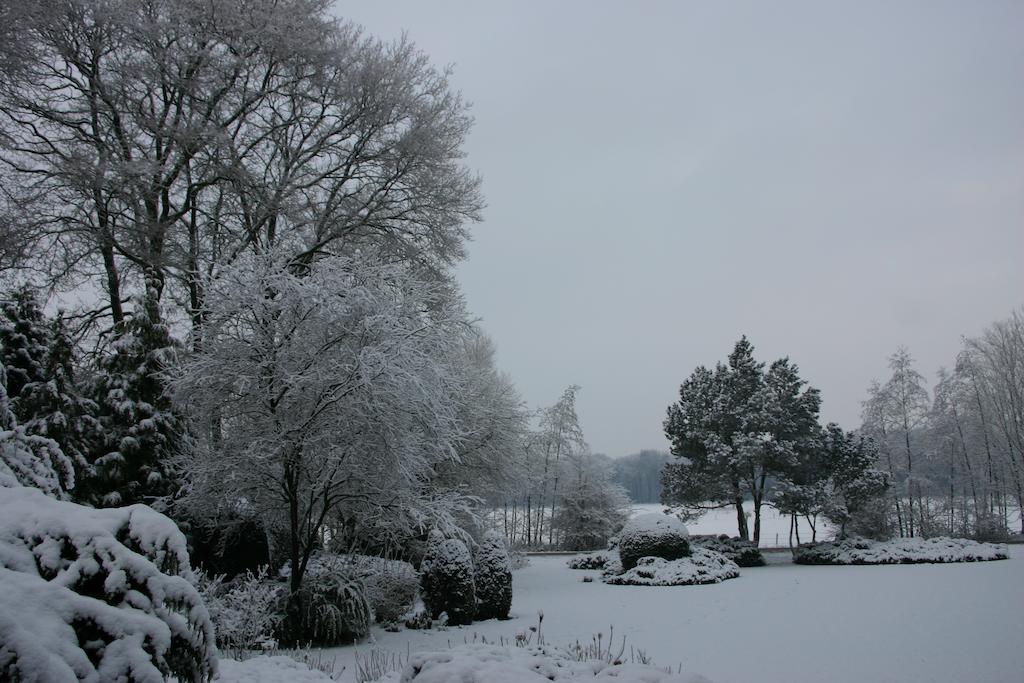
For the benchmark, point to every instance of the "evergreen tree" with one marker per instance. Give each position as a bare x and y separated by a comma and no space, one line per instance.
28,460
492,578
734,431
26,342
140,429
38,354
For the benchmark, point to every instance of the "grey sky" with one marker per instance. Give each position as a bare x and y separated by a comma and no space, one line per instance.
831,180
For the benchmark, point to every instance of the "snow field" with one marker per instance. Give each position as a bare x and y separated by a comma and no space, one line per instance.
782,623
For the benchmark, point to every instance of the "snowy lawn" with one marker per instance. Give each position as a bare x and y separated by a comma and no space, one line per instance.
780,623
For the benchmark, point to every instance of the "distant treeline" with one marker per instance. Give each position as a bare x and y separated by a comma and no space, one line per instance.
640,474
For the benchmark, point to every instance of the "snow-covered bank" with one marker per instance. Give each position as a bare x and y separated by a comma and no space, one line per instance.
793,623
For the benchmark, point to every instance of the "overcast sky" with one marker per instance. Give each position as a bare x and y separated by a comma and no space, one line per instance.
831,180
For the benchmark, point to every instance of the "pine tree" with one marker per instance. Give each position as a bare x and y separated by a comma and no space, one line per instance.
26,342
28,460
735,430
38,354
141,431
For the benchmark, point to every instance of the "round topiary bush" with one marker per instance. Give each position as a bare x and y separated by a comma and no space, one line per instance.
446,580
653,535
492,578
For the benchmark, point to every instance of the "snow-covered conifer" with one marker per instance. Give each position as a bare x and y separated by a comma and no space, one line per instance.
140,428
97,595
492,578
27,459
446,579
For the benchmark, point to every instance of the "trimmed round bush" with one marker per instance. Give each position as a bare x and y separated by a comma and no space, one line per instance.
653,535
446,580
492,578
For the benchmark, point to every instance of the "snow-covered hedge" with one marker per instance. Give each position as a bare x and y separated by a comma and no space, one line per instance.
492,578
594,560
653,535
743,553
97,595
446,580
899,551
492,664
701,567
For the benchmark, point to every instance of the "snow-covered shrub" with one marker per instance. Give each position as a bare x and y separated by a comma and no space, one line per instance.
595,560
653,535
332,605
481,663
701,567
899,551
245,611
743,553
446,580
492,578
391,586
97,595
517,560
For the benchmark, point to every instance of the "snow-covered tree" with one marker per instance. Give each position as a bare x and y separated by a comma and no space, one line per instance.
217,129
38,353
334,395
736,430
492,423
27,459
141,430
592,506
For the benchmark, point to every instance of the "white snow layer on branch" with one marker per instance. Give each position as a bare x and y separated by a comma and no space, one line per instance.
97,595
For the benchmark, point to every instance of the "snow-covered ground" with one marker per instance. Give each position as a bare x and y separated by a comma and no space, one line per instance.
781,623
774,527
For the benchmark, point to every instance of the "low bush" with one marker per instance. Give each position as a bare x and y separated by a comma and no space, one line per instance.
743,553
595,560
653,535
701,567
899,551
